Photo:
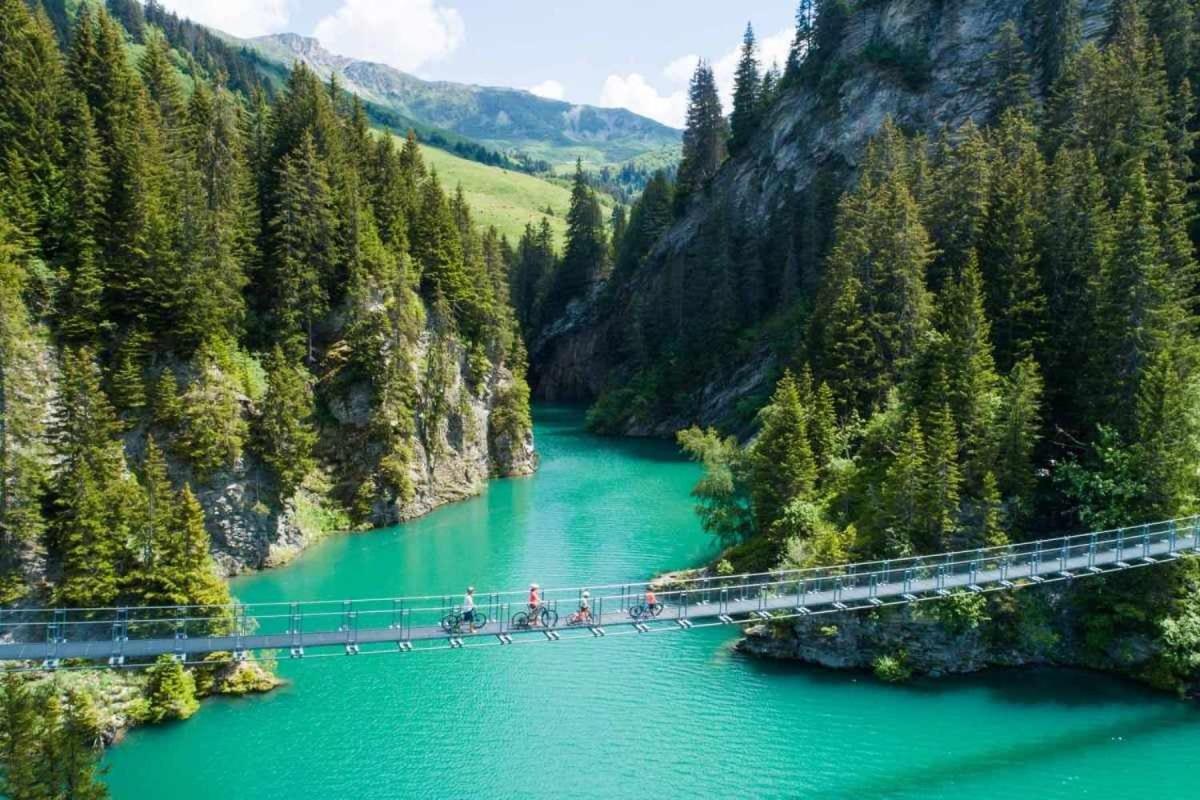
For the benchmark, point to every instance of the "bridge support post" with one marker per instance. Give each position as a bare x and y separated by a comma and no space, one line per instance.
1092,550
1120,544
1035,563
723,605
1171,537
1145,541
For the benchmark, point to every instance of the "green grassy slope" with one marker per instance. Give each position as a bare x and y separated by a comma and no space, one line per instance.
501,197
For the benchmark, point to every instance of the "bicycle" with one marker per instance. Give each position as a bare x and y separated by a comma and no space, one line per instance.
642,611
580,618
541,616
454,623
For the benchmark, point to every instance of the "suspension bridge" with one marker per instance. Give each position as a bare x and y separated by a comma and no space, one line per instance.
135,636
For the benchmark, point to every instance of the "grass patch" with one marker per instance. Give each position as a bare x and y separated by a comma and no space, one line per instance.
502,197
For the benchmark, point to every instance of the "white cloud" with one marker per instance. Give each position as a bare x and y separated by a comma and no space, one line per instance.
551,89
403,33
253,18
771,50
634,93
680,70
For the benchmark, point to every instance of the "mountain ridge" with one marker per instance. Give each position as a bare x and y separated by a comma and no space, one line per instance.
504,118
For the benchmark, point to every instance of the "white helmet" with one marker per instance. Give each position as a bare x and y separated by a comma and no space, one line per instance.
586,593
533,586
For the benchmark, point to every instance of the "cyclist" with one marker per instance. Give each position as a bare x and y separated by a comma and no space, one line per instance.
651,600
535,603
468,612
585,607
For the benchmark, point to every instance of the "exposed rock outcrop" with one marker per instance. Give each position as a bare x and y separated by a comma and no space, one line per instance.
776,197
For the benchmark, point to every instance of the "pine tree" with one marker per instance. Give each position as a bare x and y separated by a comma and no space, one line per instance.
781,467
84,189
993,533
1009,251
881,243
154,533
1075,254
202,588
22,737
747,83
285,433
822,427
71,750
1168,437
705,137
127,383
31,98
170,690
301,232
585,258
904,494
1138,311
97,502
959,202
803,41
165,401
650,216
214,429
942,480
158,76
1010,73
1017,431
965,359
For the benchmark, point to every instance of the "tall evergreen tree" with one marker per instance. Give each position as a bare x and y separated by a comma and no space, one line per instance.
705,137
781,460
1010,73
585,258
301,232
1009,253
285,433
747,85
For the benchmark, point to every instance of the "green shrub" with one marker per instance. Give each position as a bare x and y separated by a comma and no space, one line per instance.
170,691
893,669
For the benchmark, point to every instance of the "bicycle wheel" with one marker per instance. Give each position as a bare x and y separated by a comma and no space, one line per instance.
549,617
450,623
637,612
481,620
656,609
520,620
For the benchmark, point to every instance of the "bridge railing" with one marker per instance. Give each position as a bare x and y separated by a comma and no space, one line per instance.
294,620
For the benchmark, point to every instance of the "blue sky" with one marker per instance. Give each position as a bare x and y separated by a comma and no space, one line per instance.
636,54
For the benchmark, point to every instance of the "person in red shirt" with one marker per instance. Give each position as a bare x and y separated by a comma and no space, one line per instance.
535,603
651,600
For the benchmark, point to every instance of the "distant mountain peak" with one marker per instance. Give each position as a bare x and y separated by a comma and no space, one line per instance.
505,119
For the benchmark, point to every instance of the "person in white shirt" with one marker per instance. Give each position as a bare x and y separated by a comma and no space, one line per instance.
469,608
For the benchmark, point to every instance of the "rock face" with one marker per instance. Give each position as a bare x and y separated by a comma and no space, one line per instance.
1035,627
452,459
776,196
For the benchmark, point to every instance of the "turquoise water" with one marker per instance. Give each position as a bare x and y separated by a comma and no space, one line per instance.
628,717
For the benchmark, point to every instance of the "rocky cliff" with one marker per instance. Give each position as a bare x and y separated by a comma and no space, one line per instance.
453,457
926,64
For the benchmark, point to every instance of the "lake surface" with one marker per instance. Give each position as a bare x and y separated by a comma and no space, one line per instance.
628,717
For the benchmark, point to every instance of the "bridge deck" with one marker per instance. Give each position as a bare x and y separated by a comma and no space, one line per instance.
788,598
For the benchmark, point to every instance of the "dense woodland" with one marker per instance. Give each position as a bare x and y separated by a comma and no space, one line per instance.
993,335
188,273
